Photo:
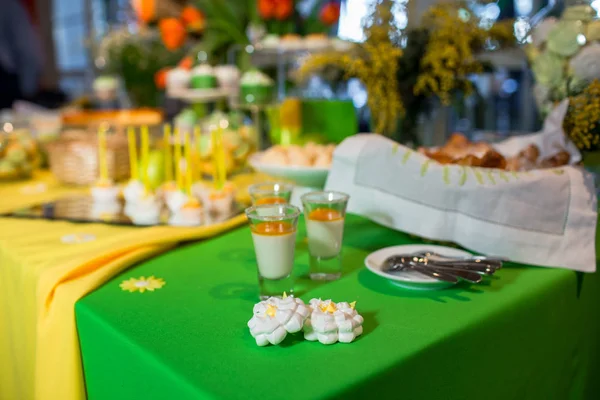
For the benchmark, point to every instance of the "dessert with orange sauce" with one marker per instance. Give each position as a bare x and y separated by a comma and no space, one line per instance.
271,200
274,243
190,214
216,200
325,230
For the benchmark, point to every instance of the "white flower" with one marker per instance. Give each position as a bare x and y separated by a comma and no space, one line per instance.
330,322
586,64
274,318
540,32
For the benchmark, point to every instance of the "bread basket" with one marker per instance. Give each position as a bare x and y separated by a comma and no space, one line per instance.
74,157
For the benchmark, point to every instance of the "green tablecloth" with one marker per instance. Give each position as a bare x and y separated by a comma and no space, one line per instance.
525,333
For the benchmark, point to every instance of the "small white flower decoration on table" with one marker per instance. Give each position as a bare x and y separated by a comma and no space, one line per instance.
274,318
331,322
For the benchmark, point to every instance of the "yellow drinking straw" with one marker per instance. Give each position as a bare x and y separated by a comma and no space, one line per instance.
196,153
145,149
188,164
102,163
178,176
218,158
168,154
133,160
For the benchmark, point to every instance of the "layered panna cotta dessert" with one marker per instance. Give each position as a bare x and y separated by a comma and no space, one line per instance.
105,191
325,231
274,243
273,199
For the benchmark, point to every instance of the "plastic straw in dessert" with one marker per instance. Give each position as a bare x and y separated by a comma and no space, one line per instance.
190,214
218,198
169,186
270,193
273,228
104,190
135,189
146,210
331,322
273,318
324,213
177,198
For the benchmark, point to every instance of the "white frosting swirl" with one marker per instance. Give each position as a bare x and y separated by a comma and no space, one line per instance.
330,322
274,318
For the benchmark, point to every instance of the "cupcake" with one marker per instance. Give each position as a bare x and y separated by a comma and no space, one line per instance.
228,77
105,191
105,88
178,79
186,120
256,88
203,77
188,215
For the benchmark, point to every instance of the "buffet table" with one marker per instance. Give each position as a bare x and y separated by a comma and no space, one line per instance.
527,332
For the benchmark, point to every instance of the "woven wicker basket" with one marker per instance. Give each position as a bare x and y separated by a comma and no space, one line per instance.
74,157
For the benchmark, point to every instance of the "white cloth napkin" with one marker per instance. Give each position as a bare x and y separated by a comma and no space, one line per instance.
542,217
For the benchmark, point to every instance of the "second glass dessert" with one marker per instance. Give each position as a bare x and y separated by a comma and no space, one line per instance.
324,213
273,228
270,193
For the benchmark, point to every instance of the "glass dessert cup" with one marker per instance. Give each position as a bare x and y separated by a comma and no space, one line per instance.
273,228
324,213
270,193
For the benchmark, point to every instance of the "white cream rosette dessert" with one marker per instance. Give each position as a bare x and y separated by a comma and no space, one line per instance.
274,318
134,191
105,191
146,211
331,322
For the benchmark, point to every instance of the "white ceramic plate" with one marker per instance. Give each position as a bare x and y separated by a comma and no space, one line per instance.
313,177
411,279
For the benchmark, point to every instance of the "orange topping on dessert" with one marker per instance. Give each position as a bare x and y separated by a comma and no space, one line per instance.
169,186
104,183
271,200
324,214
193,203
272,228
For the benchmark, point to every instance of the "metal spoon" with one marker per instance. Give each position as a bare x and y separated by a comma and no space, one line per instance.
391,262
486,259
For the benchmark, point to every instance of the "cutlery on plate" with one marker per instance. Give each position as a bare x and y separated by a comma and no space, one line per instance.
430,254
442,276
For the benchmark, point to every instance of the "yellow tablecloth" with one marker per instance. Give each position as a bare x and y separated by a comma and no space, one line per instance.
45,267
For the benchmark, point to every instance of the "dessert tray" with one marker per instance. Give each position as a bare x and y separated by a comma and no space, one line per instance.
302,165
83,209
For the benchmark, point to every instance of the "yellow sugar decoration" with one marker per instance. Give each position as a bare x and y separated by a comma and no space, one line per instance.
284,295
178,176
102,162
168,154
353,305
271,310
133,159
188,164
145,155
